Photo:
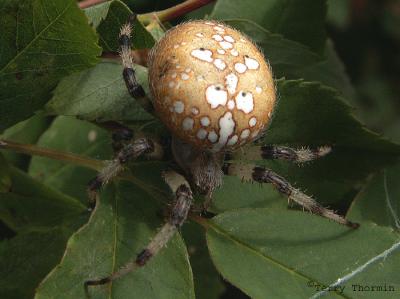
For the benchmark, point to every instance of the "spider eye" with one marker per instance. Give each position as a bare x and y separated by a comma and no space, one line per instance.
212,95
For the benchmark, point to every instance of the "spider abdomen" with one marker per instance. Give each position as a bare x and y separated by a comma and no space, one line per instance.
211,85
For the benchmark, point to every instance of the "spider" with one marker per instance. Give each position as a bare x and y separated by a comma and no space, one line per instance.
214,91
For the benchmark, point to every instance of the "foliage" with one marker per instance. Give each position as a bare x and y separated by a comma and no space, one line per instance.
253,240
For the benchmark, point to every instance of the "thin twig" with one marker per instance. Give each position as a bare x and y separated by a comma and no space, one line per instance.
173,12
94,164
34,150
89,3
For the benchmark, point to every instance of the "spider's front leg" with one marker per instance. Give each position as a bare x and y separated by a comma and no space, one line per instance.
129,74
263,175
129,152
180,208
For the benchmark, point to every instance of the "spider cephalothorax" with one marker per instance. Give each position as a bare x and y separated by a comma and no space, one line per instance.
214,90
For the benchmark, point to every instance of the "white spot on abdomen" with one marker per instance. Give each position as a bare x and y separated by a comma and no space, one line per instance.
229,38
226,128
216,96
195,111
179,106
217,37
201,134
220,64
245,133
199,34
232,140
234,52
213,137
220,51
187,123
258,89
252,122
251,63
240,67
185,76
244,101
205,121
204,55
225,45
231,82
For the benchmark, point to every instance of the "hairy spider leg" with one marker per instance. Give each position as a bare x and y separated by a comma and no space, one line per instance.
113,167
250,172
129,73
180,208
270,152
300,155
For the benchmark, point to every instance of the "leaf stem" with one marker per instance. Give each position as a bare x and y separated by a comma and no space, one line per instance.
34,150
173,12
200,220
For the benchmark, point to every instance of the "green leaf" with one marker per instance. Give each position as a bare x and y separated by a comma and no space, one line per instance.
122,225
310,114
108,18
31,206
207,283
293,60
41,42
88,140
235,194
5,180
301,21
99,94
281,254
27,258
27,132
379,201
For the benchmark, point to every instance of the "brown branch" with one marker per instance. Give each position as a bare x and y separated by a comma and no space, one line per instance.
173,12
88,3
33,150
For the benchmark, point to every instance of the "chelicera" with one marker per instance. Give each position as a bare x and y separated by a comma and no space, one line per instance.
213,89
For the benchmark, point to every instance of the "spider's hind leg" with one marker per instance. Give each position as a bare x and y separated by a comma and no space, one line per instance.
264,175
180,208
129,73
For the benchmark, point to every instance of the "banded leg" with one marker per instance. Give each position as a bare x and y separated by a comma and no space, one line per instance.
269,152
134,88
264,175
301,155
178,214
121,137
113,167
